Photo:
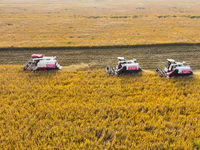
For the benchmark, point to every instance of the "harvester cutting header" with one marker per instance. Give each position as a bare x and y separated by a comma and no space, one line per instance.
40,62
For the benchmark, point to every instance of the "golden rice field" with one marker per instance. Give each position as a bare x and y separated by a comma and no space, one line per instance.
61,23
90,110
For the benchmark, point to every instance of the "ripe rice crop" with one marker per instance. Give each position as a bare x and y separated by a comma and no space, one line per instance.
85,24
90,110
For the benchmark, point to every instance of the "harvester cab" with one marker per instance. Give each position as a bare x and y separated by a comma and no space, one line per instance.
40,62
124,67
174,69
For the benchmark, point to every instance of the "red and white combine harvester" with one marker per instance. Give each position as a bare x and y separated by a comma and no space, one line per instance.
124,67
174,69
40,62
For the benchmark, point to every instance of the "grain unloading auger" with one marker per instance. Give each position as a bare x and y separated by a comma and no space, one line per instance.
174,69
124,67
40,62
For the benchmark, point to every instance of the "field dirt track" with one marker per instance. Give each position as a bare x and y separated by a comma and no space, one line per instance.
149,57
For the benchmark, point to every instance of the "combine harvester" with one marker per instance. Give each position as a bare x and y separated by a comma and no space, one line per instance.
40,62
124,67
174,69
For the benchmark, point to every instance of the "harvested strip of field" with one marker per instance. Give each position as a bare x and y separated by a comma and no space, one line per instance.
90,110
149,57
